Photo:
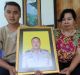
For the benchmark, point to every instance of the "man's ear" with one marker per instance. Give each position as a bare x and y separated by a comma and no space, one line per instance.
4,12
20,14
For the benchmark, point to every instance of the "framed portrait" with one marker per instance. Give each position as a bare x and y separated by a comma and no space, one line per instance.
36,51
31,12
48,13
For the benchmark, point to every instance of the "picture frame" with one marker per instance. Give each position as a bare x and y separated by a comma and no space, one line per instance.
48,13
45,61
31,12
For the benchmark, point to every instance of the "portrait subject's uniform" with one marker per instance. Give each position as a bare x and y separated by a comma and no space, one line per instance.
38,60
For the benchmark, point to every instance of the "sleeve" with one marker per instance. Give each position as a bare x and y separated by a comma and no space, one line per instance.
78,43
24,65
51,62
1,39
78,47
56,33
1,44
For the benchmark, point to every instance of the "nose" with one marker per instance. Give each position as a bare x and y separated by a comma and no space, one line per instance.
11,15
66,21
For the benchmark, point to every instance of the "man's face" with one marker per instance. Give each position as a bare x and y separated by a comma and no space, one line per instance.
12,14
36,43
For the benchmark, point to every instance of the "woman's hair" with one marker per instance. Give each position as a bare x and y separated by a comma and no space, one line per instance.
67,11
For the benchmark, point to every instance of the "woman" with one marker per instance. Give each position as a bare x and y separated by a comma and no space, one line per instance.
67,41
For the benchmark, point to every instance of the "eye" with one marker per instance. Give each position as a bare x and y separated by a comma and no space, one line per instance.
15,12
63,19
69,18
8,11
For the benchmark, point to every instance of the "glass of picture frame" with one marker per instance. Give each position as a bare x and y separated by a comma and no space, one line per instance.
36,51
31,12
48,13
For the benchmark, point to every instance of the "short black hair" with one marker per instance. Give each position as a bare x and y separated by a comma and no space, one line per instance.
12,3
36,38
67,11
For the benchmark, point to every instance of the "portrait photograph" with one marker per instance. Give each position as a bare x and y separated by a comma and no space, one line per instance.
48,12
36,51
31,12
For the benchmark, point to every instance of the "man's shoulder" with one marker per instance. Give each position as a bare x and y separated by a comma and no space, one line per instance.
28,52
3,27
44,51
22,26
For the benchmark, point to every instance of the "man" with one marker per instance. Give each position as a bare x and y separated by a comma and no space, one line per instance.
8,36
37,58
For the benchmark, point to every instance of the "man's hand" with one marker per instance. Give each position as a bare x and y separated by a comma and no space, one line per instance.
12,70
38,73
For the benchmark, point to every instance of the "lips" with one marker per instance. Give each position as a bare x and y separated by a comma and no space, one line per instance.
12,19
66,25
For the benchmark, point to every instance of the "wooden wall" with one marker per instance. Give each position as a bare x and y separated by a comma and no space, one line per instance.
63,4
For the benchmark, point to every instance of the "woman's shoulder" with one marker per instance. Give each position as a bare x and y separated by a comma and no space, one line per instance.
57,32
78,31
76,37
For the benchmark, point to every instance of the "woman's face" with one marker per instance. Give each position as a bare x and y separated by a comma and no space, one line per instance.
68,21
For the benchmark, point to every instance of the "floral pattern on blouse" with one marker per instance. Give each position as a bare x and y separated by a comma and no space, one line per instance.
66,46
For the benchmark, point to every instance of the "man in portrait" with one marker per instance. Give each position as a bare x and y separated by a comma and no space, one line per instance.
37,58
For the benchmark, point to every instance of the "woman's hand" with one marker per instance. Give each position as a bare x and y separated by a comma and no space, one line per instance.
65,71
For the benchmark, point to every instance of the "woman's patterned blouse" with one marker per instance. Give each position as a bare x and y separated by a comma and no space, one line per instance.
66,45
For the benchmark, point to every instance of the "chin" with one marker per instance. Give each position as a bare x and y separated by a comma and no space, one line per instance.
12,23
36,48
68,28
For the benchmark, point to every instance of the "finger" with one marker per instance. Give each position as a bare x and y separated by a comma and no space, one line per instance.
11,73
67,73
14,71
62,73
38,73
64,70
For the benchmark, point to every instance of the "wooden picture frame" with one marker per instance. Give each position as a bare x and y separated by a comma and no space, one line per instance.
27,63
48,13
31,12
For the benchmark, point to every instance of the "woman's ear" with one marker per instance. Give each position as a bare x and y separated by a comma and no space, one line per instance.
59,26
76,24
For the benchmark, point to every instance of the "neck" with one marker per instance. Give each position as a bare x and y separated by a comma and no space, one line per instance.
36,50
69,32
13,27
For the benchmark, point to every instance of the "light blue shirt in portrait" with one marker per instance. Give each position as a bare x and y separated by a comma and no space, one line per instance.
40,60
